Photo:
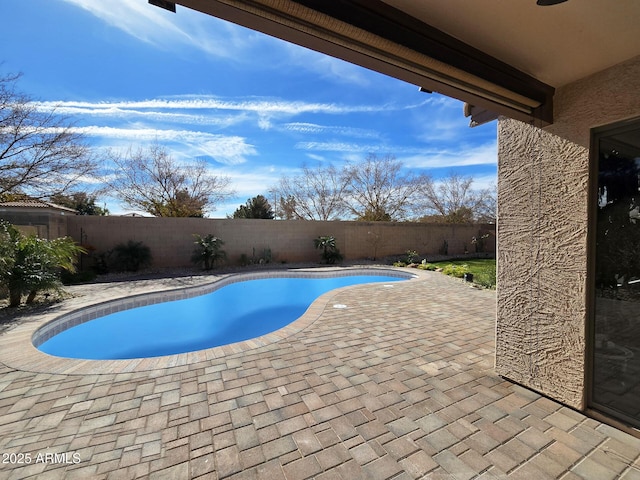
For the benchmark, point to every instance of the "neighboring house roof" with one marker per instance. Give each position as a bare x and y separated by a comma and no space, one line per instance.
134,214
34,203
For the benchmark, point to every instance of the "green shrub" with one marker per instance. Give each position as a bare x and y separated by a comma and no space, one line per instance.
399,264
131,256
208,251
457,271
428,266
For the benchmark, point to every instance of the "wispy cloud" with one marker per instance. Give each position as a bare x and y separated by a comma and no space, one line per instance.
106,111
228,150
191,102
317,158
326,67
258,181
166,30
340,147
135,18
265,113
191,110
443,122
462,156
312,128
413,156
484,181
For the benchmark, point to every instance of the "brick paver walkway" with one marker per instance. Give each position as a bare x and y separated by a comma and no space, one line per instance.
397,385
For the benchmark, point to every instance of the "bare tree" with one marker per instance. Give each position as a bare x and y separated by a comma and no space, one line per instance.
453,200
151,180
40,153
379,191
316,194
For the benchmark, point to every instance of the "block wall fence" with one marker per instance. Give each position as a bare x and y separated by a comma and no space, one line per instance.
171,239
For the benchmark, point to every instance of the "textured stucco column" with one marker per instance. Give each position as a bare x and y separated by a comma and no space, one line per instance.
543,178
542,241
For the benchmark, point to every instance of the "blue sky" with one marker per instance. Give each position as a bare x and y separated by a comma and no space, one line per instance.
256,108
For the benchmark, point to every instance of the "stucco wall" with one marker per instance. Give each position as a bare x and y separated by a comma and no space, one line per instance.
171,239
543,179
542,228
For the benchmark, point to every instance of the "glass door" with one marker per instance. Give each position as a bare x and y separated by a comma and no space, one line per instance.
615,329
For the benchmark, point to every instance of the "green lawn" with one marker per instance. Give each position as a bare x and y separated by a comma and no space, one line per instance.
483,270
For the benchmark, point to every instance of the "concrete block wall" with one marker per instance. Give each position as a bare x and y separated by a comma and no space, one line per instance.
171,239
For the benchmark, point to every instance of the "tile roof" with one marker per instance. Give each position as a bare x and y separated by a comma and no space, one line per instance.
35,203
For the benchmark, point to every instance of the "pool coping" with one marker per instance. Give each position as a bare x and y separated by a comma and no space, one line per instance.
17,349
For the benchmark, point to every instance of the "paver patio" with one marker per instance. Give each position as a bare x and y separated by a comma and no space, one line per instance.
397,385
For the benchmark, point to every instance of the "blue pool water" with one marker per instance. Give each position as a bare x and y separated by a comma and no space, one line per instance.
233,313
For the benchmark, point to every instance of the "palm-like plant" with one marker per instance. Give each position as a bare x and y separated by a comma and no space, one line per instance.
330,253
208,251
31,264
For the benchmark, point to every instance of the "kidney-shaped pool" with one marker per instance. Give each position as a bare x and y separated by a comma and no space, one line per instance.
232,313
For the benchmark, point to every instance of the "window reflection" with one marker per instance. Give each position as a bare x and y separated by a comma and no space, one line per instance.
616,342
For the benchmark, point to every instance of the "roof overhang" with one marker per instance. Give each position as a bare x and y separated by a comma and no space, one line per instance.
375,35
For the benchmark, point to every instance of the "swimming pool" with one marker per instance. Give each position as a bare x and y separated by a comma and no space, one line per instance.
233,311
